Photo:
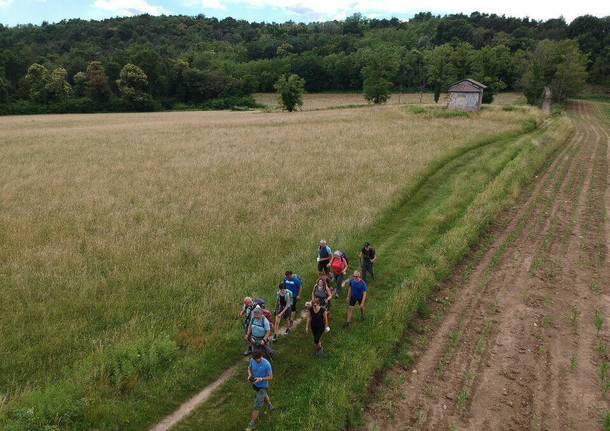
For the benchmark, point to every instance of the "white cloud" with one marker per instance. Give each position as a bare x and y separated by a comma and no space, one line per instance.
5,3
329,9
128,7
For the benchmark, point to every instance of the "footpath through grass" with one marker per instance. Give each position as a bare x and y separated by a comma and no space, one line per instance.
419,241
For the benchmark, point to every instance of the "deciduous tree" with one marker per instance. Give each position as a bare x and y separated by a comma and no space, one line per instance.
290,89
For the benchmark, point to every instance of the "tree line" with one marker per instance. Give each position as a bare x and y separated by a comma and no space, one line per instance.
175,62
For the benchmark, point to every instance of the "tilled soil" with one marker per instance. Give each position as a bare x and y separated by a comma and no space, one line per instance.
521,347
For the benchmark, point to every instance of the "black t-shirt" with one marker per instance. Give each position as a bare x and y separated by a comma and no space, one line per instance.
317,319
369,254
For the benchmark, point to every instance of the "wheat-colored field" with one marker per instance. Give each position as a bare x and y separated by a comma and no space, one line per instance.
315,101
119,228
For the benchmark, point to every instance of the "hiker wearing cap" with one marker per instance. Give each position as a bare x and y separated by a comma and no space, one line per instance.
260,374
322,291
246,314
324,255
283,302
338,265
317,321
368,256
259,331
294,284
357,295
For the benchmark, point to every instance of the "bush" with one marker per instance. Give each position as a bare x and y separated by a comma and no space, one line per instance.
290,89
377,89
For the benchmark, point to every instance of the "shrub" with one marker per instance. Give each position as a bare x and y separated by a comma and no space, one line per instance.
290,89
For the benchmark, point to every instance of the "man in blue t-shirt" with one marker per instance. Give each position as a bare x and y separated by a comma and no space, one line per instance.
357,294
294,284
259,374
324,255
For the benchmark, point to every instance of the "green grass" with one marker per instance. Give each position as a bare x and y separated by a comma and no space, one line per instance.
420,240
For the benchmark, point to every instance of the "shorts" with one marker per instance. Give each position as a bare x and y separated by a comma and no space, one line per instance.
259,400
353,301
293,306
317,334
286,314
323,266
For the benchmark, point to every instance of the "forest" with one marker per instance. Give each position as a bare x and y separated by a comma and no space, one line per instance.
147,63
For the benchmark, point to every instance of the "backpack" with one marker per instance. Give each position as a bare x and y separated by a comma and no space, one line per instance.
260,302
344,256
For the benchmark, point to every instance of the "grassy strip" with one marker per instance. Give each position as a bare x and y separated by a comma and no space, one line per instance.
422,239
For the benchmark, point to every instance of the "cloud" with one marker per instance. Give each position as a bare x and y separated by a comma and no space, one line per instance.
329,9
5,3
128,7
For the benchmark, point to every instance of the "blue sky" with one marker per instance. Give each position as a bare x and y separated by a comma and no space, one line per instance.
14,12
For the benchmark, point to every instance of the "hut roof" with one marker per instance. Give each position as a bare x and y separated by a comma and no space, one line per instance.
467,86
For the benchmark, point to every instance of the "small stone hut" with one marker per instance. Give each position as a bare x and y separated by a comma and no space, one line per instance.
466,95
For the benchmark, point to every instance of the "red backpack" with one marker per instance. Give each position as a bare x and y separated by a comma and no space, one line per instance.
338,265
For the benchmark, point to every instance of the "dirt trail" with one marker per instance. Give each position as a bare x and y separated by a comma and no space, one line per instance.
518,348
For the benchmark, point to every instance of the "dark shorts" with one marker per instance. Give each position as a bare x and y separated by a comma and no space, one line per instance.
293,306
259,400
323,266
353,301
317,334
286,314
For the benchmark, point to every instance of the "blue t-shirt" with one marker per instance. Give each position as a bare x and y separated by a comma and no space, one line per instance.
259,327
293,285
325,252
262,369
358,288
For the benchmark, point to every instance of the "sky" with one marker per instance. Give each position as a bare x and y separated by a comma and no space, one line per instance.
13,12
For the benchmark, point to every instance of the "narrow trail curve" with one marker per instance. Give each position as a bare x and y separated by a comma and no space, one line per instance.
202,396
517,348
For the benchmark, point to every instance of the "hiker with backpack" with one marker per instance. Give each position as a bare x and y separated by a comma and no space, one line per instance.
246,314
294,284
259,332
339,265
322,291
357,294
283,310
324,256
317,321
260,374
368,256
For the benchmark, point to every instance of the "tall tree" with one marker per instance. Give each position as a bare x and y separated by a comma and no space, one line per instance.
97,82
133,85
37,80
58,87
440,70
80,84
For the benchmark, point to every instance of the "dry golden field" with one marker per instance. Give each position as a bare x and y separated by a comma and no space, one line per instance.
315,101
122,228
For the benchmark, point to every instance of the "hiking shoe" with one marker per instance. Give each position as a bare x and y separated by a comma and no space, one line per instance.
251,426
246,352
274,338
287,331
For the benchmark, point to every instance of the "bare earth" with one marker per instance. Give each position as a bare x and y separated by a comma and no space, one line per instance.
518,348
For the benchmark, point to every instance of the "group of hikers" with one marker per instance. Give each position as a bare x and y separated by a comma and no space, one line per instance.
262,327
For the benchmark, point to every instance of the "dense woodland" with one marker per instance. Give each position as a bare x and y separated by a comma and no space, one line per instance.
176,62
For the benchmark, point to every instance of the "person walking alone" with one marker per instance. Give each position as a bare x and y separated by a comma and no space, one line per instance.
260,374
324,255
368,256
357,295
317,321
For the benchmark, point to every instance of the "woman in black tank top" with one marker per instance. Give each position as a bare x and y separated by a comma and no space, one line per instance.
317,321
